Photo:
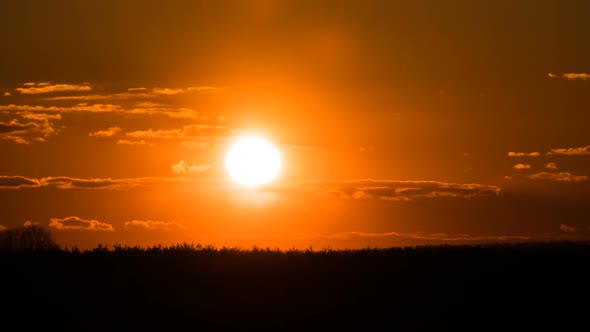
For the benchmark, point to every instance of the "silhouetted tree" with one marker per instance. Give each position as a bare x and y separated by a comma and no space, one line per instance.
26,238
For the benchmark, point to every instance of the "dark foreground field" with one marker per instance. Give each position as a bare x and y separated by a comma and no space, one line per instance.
189,288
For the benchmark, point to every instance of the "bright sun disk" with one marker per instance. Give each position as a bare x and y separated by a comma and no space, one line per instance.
253,161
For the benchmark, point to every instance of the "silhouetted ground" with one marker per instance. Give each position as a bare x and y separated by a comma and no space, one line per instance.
499,287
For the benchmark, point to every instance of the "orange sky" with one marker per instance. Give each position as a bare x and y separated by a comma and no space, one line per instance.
399,122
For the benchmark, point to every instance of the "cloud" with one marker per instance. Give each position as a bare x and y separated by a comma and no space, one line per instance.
566,228
141,108
175,113
6,94
148,104
82,107
439,237
194,130
65,182
195,145
573,151
32,88
522,166
113,96
551,166
199,89
130,142
152,225
37,128
394,190
17,182
39,116
76,223
523,154
571,76
110,132
30,223
140,93
183,168
561,176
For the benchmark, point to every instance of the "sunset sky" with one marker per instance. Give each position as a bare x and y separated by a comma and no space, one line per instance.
398,122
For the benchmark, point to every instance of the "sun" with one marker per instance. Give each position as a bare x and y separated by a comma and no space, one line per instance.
253,161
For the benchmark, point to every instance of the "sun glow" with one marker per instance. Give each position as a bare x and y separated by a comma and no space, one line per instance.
253,161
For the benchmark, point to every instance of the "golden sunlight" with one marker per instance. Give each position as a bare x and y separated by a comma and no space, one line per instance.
253,161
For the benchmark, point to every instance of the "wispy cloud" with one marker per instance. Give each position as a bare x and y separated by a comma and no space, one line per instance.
7,94
194,130
195,145
567,229
17,182
175,91
177,113
522,166
47,87
153,225
34,129
439,237
83,107
76,223
561,176
523,154
109,132
39,116
183,168
552,166
65,182
132,142
571,76
172,112
29,223
112,96
394,190
572,151
140,93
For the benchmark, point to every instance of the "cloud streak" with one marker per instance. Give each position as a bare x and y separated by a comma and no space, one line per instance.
552,166
64,182
185,133
152,225
522,166
183,168
47,87
37,128
18,182
83,107
393,190
76,223
439,237
109,132
140,93
523,154
571,76
567,229
134,143
561,176
172,112
573,151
